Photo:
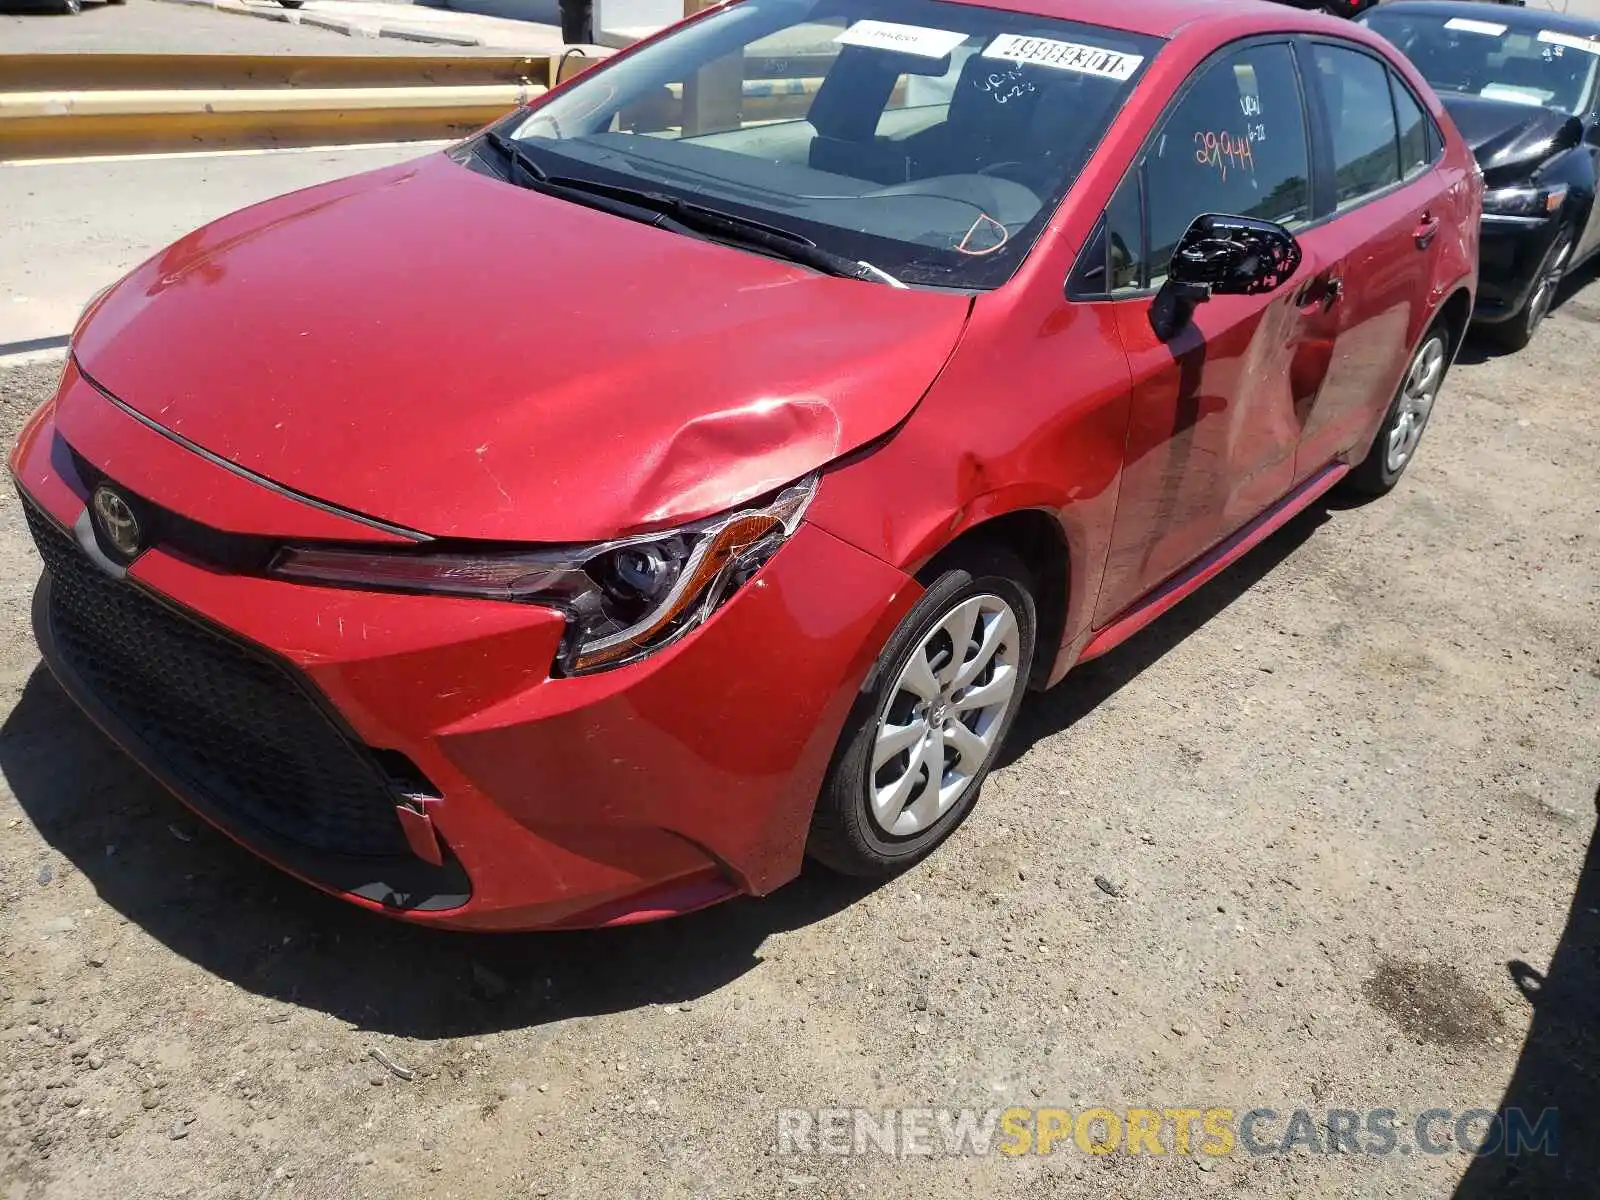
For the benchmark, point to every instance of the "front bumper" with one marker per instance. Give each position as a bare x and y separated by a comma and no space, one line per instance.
637,793
1510,253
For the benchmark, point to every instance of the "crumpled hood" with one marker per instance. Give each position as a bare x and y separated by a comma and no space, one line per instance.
459,356
1510,139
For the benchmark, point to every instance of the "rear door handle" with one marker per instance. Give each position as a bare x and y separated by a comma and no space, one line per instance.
1427,228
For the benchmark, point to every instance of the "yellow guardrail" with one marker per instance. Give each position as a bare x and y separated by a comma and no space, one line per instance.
55,105
127,72
70,105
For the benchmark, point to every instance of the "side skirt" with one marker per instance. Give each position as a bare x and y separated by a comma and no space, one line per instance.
1211,564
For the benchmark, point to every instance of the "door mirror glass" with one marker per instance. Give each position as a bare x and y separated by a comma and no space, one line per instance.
1222,256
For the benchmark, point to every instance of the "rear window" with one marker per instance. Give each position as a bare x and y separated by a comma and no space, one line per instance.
1361,117
1416,145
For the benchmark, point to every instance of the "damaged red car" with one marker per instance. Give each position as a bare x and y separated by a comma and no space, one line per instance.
697,468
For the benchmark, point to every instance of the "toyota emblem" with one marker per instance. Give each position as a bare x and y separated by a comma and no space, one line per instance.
117,523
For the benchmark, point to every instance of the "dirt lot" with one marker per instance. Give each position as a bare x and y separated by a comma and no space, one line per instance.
1345,799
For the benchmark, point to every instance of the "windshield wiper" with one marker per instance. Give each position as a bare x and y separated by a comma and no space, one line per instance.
682,216
723,226
522,162
526,172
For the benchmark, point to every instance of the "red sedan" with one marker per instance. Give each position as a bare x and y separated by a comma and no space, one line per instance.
695,470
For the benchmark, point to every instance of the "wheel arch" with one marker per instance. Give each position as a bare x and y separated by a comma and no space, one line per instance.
1455,315
1036,537
1456,312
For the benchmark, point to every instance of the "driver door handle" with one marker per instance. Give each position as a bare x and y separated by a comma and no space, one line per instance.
1427,228
1320,295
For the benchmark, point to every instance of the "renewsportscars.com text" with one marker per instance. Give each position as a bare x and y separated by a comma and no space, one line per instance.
1212,1131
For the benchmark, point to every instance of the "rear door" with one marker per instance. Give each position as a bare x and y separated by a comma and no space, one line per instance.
1384,208
1214,426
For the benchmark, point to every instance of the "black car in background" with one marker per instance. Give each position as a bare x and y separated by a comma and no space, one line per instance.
1339,8
1521,85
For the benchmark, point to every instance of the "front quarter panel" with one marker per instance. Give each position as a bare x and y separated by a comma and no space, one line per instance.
1030,414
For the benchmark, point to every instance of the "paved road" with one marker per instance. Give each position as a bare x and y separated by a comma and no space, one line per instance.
187,28
72,228
534,29
148,26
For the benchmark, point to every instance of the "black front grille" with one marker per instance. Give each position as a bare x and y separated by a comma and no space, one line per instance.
226,719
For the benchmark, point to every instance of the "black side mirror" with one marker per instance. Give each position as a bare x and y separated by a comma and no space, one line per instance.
1569,135
1222,256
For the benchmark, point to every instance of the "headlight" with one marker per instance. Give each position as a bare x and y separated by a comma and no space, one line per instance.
623,599
1524,201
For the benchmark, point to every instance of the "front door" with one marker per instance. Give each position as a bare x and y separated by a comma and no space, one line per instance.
1215,411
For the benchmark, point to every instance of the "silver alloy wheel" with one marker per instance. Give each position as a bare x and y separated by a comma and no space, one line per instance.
1417,394
943,717
1549,283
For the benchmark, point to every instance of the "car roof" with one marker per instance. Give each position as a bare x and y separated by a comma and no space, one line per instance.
1509,15
1161,18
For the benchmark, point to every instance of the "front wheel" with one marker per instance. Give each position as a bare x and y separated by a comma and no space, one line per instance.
72,7
1517,331
1401,431
930,720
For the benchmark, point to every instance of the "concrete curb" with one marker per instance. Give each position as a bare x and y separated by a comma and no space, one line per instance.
430,39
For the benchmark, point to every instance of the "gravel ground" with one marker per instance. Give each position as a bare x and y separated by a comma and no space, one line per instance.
1339,807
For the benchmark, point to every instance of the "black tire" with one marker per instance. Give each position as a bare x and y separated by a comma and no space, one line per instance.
292,3
1517,331
844,834
72,7
1378,472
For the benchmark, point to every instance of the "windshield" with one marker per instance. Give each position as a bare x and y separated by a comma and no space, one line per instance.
1489,58
931,140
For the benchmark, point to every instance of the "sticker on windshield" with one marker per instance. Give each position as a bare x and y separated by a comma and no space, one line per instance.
1535,97
1468,25
907,39
1064,56
1569,40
